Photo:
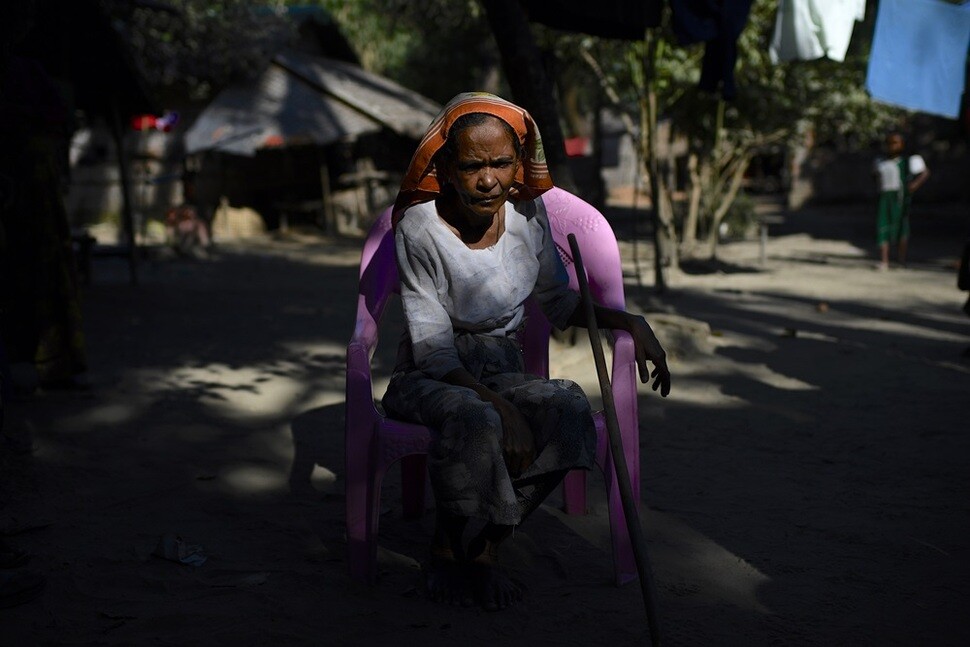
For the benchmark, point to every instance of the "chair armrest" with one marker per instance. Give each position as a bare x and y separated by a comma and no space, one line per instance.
358,359
360,410
361,413
625,377
624,351
365,328
624,382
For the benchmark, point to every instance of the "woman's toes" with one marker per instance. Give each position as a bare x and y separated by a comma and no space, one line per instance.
493,589
445,583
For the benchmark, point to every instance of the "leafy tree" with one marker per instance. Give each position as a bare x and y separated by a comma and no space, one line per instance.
529,80
192,48
655,79
442,47
435,47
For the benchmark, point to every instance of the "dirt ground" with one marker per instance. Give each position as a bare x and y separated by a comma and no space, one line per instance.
806,482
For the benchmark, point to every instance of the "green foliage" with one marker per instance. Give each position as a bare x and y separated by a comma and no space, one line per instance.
200,45
775,102
369,26
776,105
741,220
435,47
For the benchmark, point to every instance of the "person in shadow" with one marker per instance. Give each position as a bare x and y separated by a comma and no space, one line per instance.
473,243
39,297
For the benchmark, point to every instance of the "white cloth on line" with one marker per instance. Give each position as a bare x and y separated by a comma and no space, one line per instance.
811,29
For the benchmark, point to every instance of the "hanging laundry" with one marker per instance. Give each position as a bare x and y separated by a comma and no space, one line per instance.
717,23
810,29
919,54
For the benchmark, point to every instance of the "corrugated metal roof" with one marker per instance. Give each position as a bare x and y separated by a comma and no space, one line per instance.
299,99
396,107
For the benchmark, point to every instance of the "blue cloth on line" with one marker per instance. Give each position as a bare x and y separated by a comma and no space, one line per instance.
919,53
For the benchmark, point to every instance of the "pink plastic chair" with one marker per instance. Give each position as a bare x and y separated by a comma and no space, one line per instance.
374,442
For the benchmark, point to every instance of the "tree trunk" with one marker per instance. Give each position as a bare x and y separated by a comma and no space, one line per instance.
737,176
572,111
662,242
490,78
689,237
531,86
665,212
668,243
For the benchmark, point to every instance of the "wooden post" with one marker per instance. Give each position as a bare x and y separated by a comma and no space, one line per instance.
329,219
128,219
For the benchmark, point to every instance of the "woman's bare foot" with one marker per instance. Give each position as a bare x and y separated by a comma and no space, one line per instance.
445,580
444,574
492,588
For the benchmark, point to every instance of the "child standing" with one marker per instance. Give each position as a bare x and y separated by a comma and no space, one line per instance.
899,177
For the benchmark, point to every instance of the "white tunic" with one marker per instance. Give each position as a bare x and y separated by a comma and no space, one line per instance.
447,288
887,172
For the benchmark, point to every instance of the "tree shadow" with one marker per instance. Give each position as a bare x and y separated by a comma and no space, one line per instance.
318,441
700,266
827,458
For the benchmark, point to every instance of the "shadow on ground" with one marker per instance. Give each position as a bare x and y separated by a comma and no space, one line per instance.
803,488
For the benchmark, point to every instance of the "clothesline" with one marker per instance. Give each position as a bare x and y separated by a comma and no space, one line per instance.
917,60
919,47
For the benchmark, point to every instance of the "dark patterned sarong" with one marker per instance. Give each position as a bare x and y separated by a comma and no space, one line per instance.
466,463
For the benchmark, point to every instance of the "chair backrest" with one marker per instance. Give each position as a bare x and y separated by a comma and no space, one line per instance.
567,214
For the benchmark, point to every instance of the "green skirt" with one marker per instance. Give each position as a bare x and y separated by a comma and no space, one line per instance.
892,218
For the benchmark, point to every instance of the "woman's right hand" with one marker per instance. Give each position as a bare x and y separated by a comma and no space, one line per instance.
518,442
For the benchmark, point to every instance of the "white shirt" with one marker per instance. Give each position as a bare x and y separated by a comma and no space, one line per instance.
447,287
887,172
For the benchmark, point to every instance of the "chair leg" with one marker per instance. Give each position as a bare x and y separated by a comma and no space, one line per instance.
574,492
414,474
361,545
363,497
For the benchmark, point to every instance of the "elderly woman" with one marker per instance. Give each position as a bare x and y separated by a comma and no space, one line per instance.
473,244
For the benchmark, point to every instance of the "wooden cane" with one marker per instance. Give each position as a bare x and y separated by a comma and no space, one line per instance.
616,448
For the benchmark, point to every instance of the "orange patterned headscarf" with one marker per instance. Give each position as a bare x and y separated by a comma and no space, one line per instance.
421,184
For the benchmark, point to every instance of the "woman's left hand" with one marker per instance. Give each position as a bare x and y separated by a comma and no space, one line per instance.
648,348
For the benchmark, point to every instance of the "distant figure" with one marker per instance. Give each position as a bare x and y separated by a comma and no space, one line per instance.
185,231
899,177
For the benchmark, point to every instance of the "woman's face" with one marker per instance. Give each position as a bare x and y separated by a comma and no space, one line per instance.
483,170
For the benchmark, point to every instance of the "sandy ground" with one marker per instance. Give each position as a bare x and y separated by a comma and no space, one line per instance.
806,483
